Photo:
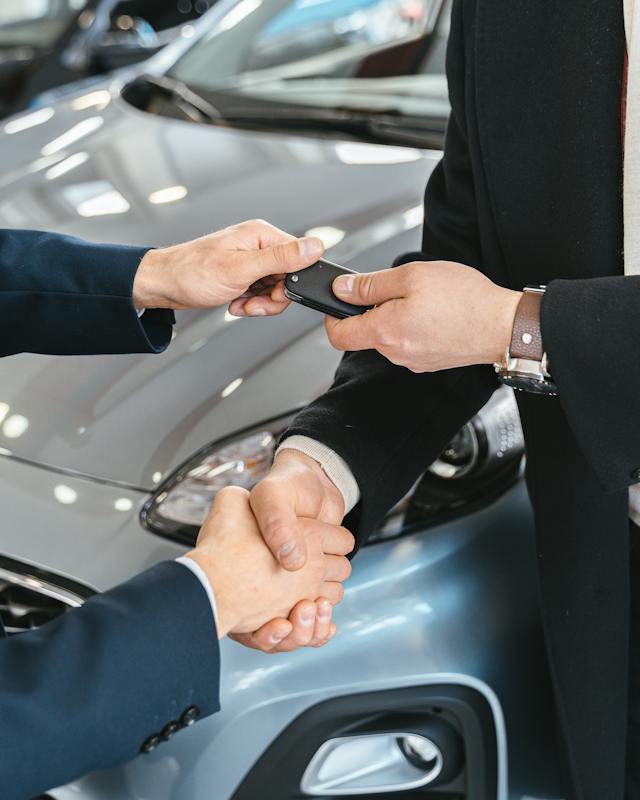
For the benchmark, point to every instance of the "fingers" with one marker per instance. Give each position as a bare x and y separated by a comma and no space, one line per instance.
283,258
355,333
322,631
333,591
303,621
264,298
337,568
336,540
266,638
309,625
369,288
275,513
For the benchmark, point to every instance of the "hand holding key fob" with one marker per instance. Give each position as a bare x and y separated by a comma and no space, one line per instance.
313,287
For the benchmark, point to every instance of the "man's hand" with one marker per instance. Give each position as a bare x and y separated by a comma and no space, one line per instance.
295,488
429,316
250,587
244,265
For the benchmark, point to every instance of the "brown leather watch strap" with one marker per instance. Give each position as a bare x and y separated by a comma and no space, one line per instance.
526,339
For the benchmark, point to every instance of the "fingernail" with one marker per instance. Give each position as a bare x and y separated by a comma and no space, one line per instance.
256,312
289,555
343,284
286,548
277,637
308,615
324,611
310,248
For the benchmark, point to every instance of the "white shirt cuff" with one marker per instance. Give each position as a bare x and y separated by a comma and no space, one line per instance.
334,466
197,570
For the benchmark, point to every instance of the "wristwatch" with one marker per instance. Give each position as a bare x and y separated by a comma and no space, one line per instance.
525,366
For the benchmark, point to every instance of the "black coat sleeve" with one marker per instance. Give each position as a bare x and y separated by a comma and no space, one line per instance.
388,423
85,691
590,329
63,296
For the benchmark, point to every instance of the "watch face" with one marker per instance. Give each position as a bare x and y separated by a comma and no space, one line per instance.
531,385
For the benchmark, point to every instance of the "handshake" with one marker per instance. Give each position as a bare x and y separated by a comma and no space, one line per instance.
252,589
276,558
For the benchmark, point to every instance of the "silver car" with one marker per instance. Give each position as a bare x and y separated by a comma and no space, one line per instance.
324,117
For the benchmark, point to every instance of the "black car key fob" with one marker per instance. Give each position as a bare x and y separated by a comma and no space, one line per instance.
312,287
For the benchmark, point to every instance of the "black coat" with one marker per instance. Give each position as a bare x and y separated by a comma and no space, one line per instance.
88,689
530,192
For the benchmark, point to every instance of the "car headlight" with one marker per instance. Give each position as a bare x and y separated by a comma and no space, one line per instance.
180,505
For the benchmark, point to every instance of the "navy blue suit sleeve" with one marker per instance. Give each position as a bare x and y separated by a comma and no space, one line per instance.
64,296
86,690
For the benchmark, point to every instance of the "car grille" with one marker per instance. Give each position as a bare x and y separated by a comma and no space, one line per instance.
30,597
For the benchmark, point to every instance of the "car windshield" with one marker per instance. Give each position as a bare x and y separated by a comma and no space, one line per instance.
35,23
382,57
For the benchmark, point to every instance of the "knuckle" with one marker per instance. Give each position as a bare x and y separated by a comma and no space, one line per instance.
410,277
386,339
365,284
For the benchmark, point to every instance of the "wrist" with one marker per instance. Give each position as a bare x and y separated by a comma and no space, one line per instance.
228,616
505,312
151,282
301,459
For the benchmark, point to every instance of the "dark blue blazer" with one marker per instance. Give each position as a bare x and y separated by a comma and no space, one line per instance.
101,684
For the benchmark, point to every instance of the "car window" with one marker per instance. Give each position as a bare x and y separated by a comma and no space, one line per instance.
371,55
35,22
159,15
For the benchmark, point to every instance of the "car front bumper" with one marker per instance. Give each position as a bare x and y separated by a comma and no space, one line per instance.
452,604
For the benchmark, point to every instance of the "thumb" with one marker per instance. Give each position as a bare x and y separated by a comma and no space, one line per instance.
368,288
286,257
232,502
275,513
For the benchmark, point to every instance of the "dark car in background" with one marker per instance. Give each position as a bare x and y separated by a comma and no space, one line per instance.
49,43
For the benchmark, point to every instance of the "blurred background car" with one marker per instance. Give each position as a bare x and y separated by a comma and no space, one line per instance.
49,43
325,117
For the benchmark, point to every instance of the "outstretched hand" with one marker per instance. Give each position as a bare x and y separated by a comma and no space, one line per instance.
244,265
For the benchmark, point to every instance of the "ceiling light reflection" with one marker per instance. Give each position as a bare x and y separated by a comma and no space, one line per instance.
98,100
27,121
232,387
238,13
123,504
62,167
103,205
413,217
327,234
65,494
360,153
171,194
14,426
73,135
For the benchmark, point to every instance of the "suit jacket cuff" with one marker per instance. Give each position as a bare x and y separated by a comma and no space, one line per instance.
588,328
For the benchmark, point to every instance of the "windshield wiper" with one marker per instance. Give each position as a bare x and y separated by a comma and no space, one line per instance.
191,104
385,124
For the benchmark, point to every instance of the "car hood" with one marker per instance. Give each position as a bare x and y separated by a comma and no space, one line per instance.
95,167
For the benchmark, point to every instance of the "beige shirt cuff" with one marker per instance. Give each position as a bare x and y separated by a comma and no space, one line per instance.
333,465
